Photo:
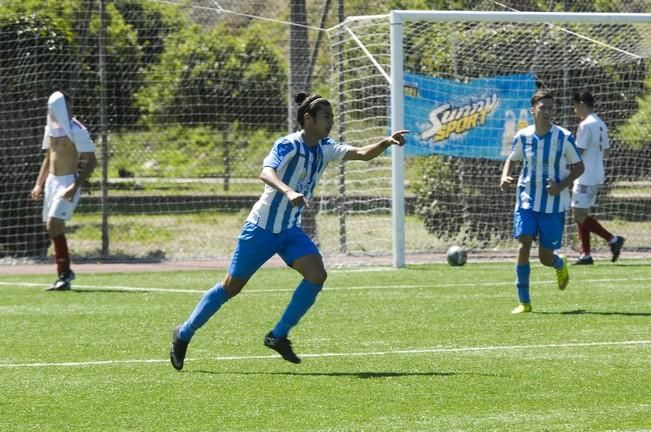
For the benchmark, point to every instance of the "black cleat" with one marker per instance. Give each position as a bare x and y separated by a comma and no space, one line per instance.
63,283
583,260
282,346
616,248
179,348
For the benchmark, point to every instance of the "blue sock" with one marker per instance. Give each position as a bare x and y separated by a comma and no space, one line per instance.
210,303
302,299
522,272
558,262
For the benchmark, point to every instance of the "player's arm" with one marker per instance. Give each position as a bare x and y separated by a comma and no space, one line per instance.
270,177
372,151
88,162
506,180
576,170
42,175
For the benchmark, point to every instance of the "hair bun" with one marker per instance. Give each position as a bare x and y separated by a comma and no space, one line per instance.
300,97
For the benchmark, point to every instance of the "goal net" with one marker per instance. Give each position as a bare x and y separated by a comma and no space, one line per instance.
462,82
184,99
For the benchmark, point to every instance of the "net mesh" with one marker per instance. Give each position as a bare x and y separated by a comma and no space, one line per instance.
190,95
468,76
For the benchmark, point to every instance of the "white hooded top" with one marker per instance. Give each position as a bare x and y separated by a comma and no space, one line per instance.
59,124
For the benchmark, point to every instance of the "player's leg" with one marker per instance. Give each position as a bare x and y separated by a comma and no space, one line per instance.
551,227
579,215
524,230
303,255
59,211
254,247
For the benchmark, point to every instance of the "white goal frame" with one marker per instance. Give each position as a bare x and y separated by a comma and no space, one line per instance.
397,18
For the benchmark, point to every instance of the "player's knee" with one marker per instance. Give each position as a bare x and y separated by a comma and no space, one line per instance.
317,277
546,259
233,286
54,229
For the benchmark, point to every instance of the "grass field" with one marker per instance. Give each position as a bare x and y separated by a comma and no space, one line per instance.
427,348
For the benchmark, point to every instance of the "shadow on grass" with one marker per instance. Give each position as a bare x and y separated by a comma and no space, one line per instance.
360,375
587,312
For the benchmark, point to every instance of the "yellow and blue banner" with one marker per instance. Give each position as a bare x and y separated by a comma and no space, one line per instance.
474,119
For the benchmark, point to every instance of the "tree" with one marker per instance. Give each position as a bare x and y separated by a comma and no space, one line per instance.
33,48
224,77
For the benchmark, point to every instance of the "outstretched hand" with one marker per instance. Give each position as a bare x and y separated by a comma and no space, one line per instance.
398,137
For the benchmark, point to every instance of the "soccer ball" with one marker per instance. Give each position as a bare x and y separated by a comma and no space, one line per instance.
457,256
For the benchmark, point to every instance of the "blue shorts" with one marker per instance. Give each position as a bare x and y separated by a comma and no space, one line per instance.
256,245
548,226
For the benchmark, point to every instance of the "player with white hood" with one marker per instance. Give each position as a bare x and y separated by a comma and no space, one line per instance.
69,161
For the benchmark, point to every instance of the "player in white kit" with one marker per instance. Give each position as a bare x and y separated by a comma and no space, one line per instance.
593,144
67,145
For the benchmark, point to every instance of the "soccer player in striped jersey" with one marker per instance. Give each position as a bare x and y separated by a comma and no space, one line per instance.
550,163
290,172
593,144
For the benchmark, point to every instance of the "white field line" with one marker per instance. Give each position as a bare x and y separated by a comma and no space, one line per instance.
327,287
441,350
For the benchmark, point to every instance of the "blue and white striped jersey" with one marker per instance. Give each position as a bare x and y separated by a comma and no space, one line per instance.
543,158
300,167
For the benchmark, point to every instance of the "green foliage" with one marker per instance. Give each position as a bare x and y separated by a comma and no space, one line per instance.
437,195
32,64
178,151
224,77
636,131
452,198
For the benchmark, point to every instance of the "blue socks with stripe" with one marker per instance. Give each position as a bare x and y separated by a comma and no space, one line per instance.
303,298
209,304
558,262
522,272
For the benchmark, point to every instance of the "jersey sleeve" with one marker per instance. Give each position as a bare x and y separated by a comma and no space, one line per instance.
280,154
82,141
571,151
516,148
583,137
46,142
335,151
81,137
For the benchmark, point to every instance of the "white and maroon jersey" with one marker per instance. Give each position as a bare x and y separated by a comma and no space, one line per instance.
80,136
592,138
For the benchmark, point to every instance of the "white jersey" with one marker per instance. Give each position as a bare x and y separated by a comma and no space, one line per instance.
300,167
592,138
544,158
80,137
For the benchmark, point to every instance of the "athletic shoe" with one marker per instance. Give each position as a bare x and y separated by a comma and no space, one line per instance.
522,308
179,348
563,274
616,248
584,260
282,346
63,283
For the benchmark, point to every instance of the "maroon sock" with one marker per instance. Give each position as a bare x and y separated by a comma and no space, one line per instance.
584,239
595,227
61,253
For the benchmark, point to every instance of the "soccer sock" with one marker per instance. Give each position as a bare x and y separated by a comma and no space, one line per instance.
303,298
209,304
522,272
594,226
558,262
61,255
584,239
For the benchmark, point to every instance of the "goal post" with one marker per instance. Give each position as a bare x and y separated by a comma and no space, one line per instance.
503,57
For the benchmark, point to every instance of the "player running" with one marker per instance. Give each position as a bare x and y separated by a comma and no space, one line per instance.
290,172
